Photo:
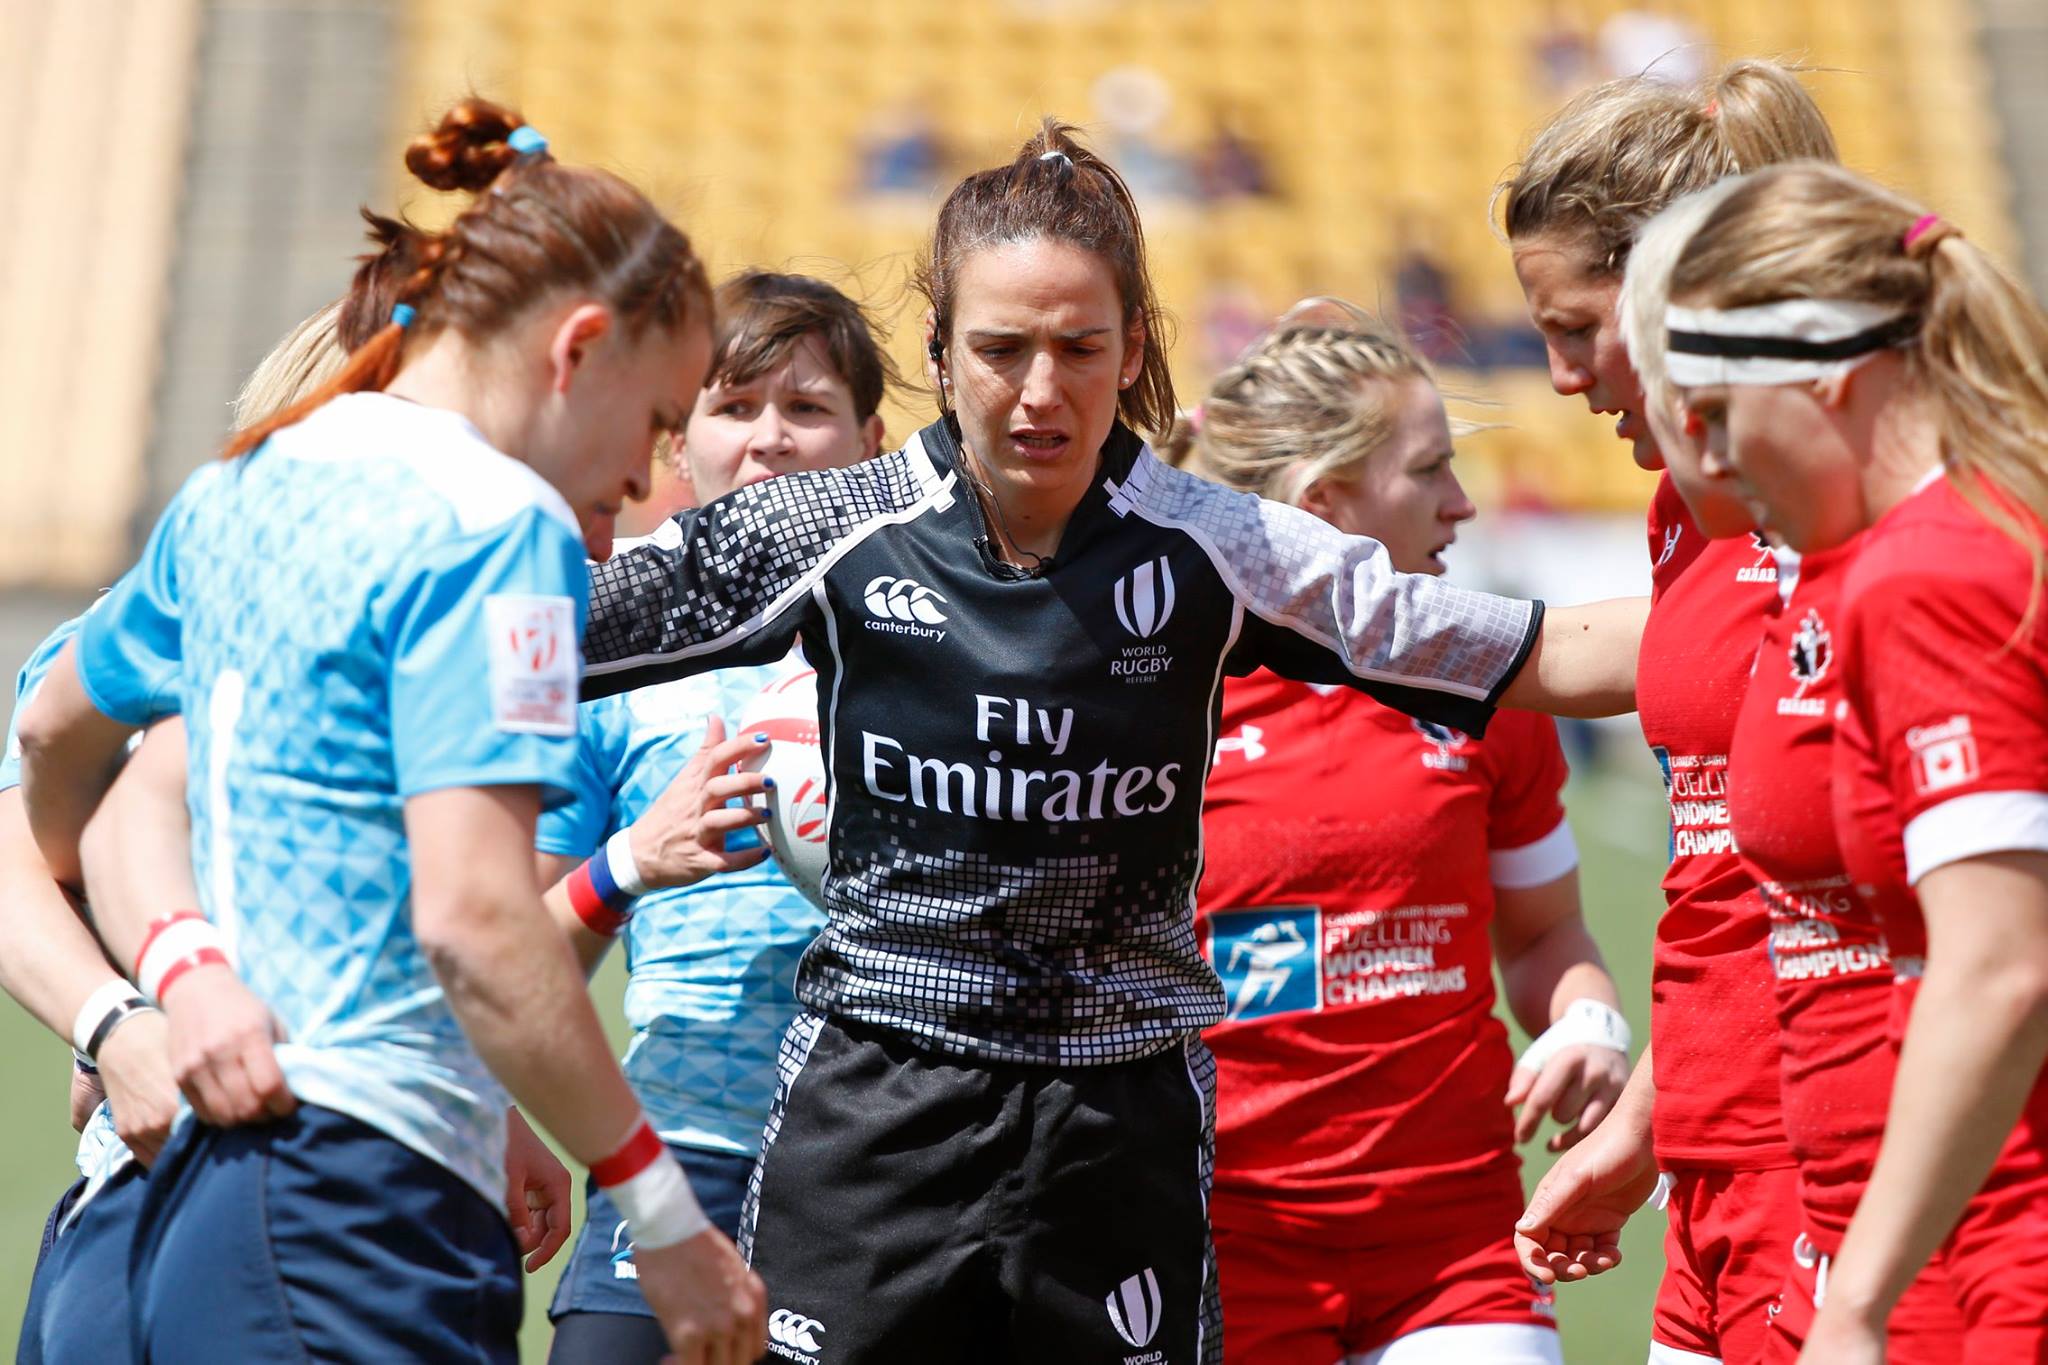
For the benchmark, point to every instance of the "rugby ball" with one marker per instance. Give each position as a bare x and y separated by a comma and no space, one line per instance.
799,809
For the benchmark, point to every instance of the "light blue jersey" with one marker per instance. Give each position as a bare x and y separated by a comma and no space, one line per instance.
713,965
374,605
100,1151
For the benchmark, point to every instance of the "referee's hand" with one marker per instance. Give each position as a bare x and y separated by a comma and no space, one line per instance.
713,1309
223,1054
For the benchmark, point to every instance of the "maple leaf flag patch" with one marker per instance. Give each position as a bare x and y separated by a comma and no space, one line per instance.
533,663
1944,755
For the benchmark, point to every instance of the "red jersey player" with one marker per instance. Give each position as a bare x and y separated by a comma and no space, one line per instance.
1707,1109
1361,870
1828,953
1864,370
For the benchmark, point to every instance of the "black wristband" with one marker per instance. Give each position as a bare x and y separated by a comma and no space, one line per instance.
111,1020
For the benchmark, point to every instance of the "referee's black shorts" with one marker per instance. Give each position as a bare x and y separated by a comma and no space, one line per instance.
914,1207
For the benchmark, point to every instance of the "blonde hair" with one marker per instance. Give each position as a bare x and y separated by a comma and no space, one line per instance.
1645,293
1981,356
1619,153
1300,406
310,355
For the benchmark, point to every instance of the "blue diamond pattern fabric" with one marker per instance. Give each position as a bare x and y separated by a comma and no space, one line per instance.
713,966
373,605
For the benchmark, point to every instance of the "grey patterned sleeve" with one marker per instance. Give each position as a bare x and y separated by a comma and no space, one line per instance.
730,582
1328,607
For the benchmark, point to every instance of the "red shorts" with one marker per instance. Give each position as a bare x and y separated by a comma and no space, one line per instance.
1285,1302
1997,1259
1725,1253
1924,1328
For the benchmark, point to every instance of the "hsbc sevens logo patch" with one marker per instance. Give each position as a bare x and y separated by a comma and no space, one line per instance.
1944,755
531,645
1144,598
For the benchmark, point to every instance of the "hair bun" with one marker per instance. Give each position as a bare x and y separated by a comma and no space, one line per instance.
468,150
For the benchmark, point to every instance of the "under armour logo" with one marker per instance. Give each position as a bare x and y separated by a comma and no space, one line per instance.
1246,741
1134,1308
794,1329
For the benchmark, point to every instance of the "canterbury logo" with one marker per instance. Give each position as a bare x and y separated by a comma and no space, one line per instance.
794,1329
904,599
1134,1308
1144,598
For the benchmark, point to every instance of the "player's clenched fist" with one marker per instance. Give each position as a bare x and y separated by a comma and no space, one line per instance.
223,1042
712,1308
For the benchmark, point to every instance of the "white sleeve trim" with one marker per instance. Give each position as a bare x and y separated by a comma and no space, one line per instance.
1971,826
1549,858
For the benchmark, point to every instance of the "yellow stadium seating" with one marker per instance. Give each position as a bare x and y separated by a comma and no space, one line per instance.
749,121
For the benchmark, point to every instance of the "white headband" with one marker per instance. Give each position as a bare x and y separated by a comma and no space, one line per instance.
1778,343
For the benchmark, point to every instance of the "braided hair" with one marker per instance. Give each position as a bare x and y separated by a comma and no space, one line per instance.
535,228
1309,401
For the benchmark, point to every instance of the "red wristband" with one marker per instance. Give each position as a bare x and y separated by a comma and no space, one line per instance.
589,903
641,1150
175,944
205,957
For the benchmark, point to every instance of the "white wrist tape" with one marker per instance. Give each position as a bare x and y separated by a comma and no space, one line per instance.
1586,1021
625,869
658,1204
96,1008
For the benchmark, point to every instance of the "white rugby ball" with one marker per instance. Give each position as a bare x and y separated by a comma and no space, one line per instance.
799,809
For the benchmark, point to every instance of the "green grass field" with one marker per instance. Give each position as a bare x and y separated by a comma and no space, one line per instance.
1619,819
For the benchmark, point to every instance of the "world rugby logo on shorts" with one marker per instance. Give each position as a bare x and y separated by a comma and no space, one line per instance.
1134,1308
1144,598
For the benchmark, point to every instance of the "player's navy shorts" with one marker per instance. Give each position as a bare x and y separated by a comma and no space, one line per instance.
600,1276
318,1237
77,1310
914,1206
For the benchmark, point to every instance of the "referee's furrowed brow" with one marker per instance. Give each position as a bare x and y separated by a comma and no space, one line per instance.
985,334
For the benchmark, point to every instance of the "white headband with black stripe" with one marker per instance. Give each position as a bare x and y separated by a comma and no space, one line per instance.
1778,343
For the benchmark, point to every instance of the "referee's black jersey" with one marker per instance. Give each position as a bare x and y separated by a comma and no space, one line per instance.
1017,761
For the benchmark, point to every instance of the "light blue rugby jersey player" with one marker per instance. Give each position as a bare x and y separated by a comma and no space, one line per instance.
713,965
374,604
100,1151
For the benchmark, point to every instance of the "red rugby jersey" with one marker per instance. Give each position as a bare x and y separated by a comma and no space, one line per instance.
1713,1025
1350,855
1943,749
1834,976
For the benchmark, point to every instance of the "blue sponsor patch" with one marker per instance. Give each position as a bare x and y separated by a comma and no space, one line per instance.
1270,959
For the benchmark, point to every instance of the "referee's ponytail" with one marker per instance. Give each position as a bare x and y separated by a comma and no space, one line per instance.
535,228
1057,188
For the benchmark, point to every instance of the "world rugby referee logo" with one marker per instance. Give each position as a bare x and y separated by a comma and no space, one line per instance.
1134,1309
1144,598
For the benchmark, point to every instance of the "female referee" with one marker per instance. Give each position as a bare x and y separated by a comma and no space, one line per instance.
1362,872
368,617
1866,371
1707,1111
991,1134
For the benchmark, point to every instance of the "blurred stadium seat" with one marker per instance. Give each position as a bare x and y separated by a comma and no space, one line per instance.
750,121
